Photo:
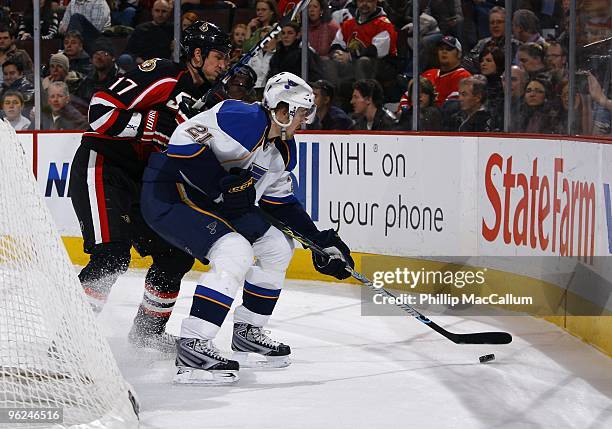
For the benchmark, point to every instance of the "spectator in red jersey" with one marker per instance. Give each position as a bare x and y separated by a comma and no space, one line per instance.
446,78
286,6
364,48
364,39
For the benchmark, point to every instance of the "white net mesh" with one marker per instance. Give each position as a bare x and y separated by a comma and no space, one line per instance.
51,351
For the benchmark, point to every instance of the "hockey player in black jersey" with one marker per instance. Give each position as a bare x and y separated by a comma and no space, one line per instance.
132,118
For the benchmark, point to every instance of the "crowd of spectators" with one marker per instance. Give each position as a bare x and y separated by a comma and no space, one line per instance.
359,59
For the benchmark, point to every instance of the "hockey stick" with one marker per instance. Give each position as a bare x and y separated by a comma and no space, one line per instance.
473,338
246,57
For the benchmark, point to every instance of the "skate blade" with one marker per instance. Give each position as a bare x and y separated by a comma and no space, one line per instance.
186,375
258,361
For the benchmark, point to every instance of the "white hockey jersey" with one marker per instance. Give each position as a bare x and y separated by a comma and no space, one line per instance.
236,132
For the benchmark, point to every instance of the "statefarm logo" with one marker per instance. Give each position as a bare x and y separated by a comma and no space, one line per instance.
556,214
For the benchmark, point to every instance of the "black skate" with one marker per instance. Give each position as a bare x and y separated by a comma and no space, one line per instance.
254,349
162,342
199,362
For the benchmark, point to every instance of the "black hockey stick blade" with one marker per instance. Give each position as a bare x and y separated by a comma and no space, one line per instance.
472,338
246,57
478,337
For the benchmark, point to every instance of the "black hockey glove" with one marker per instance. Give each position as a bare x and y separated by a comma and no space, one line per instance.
339,255
210,99
238,189
158,126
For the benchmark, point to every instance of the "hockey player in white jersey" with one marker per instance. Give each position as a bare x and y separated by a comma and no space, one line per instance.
201,195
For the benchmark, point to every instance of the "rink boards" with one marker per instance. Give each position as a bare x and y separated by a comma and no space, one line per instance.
439,197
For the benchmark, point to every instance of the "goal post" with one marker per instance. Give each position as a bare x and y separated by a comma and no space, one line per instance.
52,353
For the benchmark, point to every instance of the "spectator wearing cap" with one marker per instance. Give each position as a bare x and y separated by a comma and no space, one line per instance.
58,70
241,85
104,70
497,28
88,17
73,49
153,39
365,47
328,116
367,102
12,107
473,116
430,117
446,78
14,80
8,50
61,115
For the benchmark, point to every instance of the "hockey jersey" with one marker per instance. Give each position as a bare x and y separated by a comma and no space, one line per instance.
376,32
116,114
231,134
446,84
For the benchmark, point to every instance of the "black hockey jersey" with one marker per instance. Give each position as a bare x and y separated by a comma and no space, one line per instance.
116,114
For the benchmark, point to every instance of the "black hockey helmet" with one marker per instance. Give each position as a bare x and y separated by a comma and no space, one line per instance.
244,76
206,36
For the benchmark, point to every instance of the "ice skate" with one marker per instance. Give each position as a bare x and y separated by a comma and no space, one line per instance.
162,342
254,349
200,362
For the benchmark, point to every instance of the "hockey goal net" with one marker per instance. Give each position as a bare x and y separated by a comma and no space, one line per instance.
52,354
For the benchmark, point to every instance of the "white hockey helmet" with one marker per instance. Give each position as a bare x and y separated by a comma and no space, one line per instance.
293,90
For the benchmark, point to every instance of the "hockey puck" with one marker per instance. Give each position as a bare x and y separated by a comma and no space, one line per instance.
486,358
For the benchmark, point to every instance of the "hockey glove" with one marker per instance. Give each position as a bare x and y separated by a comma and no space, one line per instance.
158,126
238,189
339,255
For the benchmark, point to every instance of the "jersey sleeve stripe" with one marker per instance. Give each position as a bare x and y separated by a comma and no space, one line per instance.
278,200
111,117
107,100
185,151
155,93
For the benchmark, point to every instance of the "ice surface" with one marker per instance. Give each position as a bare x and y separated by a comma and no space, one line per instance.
351,371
